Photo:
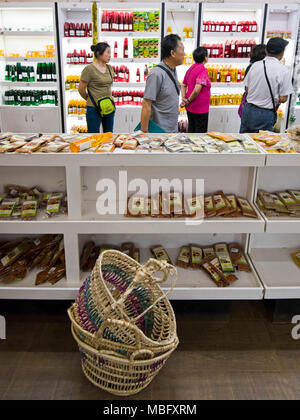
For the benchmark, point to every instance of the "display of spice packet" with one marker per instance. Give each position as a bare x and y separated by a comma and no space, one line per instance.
160,253
250,146
29,210
6,208
54,204
211,149
236,147
197,148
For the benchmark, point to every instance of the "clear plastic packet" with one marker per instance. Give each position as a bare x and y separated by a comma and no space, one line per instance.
54,205
29,210
7,207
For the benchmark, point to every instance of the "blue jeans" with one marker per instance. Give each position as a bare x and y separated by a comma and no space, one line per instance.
94,120
255,119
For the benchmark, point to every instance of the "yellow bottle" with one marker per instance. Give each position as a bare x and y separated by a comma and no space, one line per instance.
169,30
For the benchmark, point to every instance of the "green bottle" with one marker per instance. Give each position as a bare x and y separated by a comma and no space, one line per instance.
54,72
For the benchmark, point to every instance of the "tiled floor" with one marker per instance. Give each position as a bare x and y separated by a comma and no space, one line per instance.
226,351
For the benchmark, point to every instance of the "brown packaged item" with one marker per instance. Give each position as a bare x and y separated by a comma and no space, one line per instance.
15,254
220,203
195,206
295,195
87,249
127,248
296,257
138,206
280,206
246,207
267,200
183,259
228,278
233,210
208,251
242,264
57,274
156,209
196,256
172,204
287,200
224,258
213,273
235,252
209,206
160,253
136,255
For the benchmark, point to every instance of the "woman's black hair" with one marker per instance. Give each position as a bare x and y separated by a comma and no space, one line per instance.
258,53
99,48
199,54
168,44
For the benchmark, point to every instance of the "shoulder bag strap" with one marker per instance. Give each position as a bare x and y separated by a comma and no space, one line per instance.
92,99
110,73
171,77
268,82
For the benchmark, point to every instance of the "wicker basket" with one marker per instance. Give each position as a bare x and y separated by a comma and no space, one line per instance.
119,375
121,289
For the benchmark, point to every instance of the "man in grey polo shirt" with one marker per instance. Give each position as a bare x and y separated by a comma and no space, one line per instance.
161,97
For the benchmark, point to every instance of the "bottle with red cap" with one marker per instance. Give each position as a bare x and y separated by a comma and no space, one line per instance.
116,50
138,76
126,22
222,26
127,75
130,25
254,26
121,22
125,49
227,49
239,27
233,26
66,29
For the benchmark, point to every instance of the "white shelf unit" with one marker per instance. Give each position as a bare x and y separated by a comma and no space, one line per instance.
75,13
268,243
226,118
38,16
128,116
78,174
284,17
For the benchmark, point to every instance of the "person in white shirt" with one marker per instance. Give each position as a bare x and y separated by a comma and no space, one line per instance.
263,99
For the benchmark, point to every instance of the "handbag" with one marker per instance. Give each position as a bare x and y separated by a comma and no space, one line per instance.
273,101
105,105
242,104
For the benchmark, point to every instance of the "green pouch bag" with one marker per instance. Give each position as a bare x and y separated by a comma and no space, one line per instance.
105,106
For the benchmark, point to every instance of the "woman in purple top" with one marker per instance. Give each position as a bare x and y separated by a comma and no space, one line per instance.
195,92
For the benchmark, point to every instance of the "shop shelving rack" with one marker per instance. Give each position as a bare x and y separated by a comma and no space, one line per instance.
15,37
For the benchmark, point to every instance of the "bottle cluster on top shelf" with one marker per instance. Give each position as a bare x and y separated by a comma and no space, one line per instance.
122,98
145,47
18,73
225,74
241,26
30,97
118,21
231,49
78,30
81,57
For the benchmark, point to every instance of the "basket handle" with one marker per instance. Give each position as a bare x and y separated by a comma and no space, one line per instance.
123,324
139,352
146,272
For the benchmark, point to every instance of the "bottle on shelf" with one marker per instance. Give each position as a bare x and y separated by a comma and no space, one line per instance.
125,48
116,50
66,29
169,30
138,76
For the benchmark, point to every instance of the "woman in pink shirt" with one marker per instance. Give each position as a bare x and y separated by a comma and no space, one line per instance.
195,92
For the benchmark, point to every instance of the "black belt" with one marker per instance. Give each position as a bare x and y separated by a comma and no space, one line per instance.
259,107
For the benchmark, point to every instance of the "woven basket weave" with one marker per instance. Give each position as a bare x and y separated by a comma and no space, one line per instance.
123,323
117,375
121,289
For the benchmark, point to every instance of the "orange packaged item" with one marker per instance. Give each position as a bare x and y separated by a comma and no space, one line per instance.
247,209
83,144
221,136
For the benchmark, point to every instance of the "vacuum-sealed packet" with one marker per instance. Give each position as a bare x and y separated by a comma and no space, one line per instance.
7,207
216,275
208,251
220,203
183,259
138,206
209,206
160,253
287,200
296,257
29,210
195,206
246,207
196,256
224,258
